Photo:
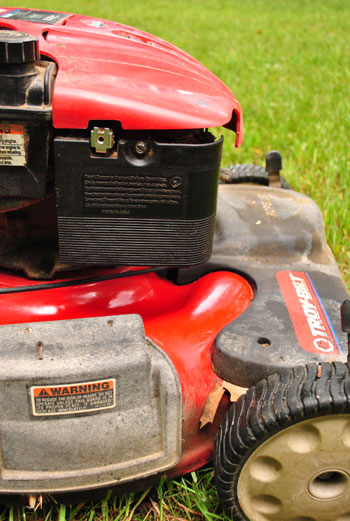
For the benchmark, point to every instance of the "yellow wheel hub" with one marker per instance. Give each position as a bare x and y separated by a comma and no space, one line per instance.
300,474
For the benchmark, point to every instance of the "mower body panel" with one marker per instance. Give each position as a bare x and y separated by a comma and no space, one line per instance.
108,71
276,238
207,323
182,321
120,420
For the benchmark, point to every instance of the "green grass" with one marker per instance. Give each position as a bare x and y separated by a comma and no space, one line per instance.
189,498
288,64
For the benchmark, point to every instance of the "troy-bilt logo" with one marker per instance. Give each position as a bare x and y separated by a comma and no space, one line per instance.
312,326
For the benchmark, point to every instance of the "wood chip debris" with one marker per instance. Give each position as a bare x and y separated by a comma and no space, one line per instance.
214,398
35,502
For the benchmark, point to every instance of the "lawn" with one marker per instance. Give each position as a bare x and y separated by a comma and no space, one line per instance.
288,63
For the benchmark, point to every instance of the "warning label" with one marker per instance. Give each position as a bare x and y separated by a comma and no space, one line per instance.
73,398
12,149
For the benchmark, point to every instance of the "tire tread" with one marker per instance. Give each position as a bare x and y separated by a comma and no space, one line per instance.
274,403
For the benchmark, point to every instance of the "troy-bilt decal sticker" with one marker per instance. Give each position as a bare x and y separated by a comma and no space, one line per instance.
52,400
12,149
311,323
40,17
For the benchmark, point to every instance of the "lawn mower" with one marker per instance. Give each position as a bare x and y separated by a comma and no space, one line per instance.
140,296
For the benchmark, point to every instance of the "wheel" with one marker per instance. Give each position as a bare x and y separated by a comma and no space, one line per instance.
237,174
283,451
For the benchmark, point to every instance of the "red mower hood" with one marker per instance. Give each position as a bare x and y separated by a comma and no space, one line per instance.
109,71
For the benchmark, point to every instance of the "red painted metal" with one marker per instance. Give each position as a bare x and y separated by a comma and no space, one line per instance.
182,320
114,72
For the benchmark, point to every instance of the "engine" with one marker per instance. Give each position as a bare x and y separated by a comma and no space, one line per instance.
110,190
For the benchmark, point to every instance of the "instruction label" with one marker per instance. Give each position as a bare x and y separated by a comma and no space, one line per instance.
12,149
40,17
52,400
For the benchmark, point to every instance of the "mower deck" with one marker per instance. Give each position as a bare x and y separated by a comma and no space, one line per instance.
235,310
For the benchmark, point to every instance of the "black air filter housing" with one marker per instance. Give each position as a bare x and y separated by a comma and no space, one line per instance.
147,203
26,85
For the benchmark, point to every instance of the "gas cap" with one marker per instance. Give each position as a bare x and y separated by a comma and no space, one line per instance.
17,47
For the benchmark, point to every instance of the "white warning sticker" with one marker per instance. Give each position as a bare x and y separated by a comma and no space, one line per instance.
94,23
12,147
52,400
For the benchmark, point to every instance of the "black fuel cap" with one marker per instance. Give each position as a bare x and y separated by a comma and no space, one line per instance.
17,47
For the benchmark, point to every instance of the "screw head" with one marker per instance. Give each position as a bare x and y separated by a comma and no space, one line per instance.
176,182
141,147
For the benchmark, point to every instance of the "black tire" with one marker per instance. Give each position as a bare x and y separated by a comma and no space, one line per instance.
238,174
283,405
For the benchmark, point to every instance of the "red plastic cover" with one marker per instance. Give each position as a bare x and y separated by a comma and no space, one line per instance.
109,71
